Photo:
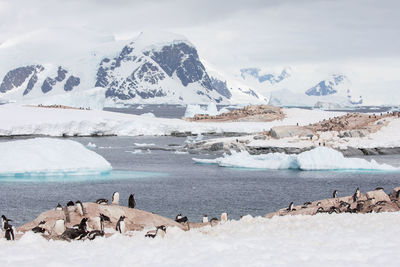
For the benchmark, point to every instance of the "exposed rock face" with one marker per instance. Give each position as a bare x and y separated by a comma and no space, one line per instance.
48,83
17,77
327,87
150,68
135,219
373,201
71,82
221,87
290,131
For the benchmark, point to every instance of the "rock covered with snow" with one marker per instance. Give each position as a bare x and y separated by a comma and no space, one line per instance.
46,156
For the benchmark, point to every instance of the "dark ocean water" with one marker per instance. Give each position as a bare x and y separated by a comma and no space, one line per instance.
167,183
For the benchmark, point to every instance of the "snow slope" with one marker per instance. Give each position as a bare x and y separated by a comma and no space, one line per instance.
320,240
45,156
57,122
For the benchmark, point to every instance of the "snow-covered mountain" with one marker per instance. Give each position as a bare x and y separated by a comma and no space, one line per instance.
151,68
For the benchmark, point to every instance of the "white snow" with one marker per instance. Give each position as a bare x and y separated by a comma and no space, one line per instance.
320,158
192,110
321,240
92,145
57,122
143,144
46,156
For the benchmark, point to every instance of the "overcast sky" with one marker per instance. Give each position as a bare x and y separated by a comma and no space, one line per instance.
357,36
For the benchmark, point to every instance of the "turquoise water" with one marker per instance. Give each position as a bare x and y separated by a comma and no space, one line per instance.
74,177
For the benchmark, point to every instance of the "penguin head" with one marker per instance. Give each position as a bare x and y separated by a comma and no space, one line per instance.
4,218
122,218
162,227
70,203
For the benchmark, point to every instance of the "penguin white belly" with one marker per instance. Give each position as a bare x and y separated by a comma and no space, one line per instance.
115,200
59,227
122,227
205,219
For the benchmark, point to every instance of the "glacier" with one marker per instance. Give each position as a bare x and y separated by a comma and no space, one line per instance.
320,158
49,157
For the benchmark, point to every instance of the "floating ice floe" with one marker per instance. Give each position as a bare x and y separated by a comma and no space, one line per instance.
320,158
92,145
47,156
139,151
143,144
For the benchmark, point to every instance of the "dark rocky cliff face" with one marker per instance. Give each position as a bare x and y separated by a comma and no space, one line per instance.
17,77
326,87
173,61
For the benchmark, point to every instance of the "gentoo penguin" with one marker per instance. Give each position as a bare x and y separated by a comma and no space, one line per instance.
105,218
356,195
333,209
98,223
115,198
70,203
290,208
307,203
79,207
39,228
77,234
4,222
9,233
379,188
181,219
179,216
99,228
70,207
120,227
398,194
334,194
205,218
131,201
59,227
214,221
320,210
59,207
160,230
224,217
102,201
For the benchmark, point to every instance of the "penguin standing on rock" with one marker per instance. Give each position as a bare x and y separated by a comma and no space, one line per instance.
105,218
76,234
290,208
39,228
102,201
99,225
79,208
356,195
224,217
59,207
4,222
334,194
131,201
115,198
205,218
59,227
121,227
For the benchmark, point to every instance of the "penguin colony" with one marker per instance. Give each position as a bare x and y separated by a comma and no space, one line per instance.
357,203
82,231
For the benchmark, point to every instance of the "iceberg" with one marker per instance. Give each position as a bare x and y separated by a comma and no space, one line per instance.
320,158
192,110
47,156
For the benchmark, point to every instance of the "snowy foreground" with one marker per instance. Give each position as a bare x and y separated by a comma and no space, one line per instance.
320,158
24,120
46,156
321,240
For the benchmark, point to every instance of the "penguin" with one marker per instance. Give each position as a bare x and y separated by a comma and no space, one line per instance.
59,207
320,210
224,217
59,227
182,219
70,207
76,234
380,203
343,204
290,208
98,223
334,194
102,201
307,203
334,209
79,207
131,201
99,228
205,219
179,216
120,227
160,230
214,221
115,198
9,233
105,218
39,228
356,195
4,222
398,194
70,203
379,188
93,234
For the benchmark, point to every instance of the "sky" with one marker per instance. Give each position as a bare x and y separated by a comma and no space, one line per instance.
357,37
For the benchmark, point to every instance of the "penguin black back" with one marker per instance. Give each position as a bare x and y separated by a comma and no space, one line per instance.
131,201
9,234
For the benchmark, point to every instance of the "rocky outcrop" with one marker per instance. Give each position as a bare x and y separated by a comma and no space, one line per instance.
290,131
17,77
372,201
